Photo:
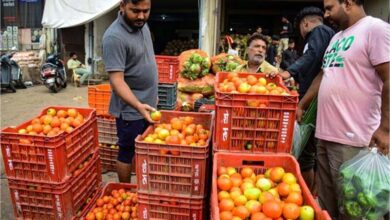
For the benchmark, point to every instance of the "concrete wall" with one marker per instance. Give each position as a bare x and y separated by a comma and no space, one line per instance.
378,8
100,26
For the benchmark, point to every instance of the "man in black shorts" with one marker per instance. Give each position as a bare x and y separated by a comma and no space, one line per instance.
129,59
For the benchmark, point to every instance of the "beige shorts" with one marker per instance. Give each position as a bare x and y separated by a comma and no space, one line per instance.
330,156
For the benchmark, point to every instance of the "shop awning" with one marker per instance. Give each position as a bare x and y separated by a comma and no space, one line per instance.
68,13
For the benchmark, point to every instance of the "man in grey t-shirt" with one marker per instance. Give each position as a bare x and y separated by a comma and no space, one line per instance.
129,59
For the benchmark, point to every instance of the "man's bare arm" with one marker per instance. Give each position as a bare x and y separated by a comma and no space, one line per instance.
380,138
120,87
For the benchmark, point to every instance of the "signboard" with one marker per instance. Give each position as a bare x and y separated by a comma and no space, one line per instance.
8,3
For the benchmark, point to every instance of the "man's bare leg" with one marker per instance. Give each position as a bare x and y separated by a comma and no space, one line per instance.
123,170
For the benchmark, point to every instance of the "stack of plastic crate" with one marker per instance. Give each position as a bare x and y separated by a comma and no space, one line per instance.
52,177
99,98
255,129
173,178
267,126
168,70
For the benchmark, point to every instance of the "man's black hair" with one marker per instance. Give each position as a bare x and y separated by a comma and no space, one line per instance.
257,36
71,54
358,2
275,37
308,11
290,41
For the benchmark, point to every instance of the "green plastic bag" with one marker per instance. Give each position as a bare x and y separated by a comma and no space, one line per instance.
303,131
365,185
302,134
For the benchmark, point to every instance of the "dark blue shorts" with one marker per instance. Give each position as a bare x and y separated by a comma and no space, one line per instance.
307,160
127,131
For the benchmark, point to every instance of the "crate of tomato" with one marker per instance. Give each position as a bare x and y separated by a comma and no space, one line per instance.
172,156
260,186
50,147
253,113
45,200
116,201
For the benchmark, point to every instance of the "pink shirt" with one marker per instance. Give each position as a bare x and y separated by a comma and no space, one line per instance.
349,99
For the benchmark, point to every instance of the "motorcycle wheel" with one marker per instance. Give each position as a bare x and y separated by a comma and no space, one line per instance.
20,82
54,88
12,87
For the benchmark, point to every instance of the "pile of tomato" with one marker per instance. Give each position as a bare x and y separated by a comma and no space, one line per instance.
120,205
181,131
275,194
54,122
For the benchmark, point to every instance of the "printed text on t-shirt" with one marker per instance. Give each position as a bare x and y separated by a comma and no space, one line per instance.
332,58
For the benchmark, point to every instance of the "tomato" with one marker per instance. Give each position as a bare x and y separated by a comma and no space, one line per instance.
241,211
226,205
188,120
295,197
223,195
72,112
90,216
272,208
225,215
258,216
176,124
125,215
291,211
221,170
99,202
246,172
99,215
224,183
156,115
236,179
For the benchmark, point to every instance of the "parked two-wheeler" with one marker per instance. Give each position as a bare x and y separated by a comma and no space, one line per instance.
53,73
11,76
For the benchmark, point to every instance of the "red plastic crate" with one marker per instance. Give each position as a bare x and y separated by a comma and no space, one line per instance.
99,98
90,202
180,174
260,162
48,159
106,191
108,157
168,68
268,129
156,206
64,200
107,130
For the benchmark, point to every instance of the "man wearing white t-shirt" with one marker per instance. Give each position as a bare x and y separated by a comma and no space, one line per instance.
353,94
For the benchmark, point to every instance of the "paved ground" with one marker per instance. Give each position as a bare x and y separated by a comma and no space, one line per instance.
25,104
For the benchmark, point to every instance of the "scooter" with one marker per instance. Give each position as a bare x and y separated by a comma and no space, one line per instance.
11,76
53,73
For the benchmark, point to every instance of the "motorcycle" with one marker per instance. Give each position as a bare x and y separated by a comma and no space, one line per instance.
53,73
11,76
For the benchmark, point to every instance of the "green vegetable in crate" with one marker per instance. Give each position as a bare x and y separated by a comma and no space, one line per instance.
227,63
365,185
